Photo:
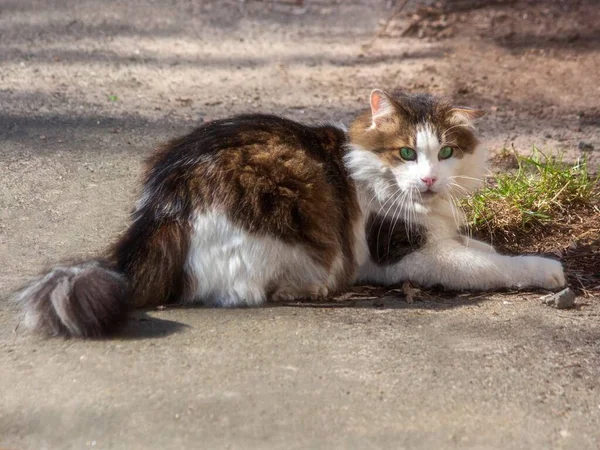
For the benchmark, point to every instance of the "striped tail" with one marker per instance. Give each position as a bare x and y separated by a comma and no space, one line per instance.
87,300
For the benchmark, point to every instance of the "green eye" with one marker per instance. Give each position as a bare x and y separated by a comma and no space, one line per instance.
445,152
408,154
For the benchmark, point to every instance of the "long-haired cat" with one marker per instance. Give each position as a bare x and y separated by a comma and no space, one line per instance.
257,207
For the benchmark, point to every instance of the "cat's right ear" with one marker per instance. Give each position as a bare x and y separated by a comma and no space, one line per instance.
461,115
382,107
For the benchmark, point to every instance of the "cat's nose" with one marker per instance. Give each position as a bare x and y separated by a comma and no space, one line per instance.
429,181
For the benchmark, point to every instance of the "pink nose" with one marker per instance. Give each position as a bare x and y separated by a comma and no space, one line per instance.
429,181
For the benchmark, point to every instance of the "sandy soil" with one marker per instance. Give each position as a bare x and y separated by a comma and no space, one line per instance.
88,89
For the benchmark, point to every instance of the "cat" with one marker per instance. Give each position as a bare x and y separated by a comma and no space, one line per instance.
257,207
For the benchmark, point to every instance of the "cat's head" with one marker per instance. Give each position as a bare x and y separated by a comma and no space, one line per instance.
416,149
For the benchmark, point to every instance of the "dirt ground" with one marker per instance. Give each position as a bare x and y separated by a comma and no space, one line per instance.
88,89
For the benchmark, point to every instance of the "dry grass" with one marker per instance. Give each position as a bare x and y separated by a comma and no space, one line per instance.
543,205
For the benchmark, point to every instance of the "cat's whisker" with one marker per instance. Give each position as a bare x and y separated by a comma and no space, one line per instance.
464,192
403,214
375,195
456,197
489,229
463,226
406,216
390,198
468,189
465,177
388,183
450,129
395,218
386,214
466,225
398,203
452,208
412,214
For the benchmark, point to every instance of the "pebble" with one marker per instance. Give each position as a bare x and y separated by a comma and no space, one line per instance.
585,146
560,300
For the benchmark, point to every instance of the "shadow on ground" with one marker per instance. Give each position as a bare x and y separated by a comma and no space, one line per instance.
142,326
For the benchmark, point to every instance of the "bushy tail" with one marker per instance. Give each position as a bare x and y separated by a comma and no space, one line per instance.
88,299
92,298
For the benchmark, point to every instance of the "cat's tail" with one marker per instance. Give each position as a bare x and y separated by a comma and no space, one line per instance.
87,299
92,298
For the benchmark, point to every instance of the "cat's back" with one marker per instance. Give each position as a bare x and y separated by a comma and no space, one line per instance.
268,173
251,134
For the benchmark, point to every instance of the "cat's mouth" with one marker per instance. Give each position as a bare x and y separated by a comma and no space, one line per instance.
428,194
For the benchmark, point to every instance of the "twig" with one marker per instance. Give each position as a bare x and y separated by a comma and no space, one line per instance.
581,255
409,291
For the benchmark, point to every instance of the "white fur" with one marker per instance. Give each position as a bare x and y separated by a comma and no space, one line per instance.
361,248
235,268
477,245
426,140
375,182
59,293
33,316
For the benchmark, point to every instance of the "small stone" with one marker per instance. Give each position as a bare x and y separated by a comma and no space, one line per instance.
585,146
565,433
560,300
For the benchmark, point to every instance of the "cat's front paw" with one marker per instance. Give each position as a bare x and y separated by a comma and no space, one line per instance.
542,273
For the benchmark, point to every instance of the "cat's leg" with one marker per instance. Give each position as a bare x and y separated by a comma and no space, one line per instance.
304,277
455,266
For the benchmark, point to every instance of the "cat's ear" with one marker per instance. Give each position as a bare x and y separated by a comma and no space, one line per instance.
382,107
461,115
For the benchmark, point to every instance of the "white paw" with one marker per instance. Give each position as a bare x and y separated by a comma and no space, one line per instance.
282,295
288,293
542,273
317,291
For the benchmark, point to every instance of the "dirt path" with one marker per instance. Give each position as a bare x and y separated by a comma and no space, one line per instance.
89,88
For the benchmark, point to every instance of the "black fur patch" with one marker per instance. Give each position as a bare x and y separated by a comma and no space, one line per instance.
389,240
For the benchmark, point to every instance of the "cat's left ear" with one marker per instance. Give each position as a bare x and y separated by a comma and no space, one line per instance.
382,107
461,115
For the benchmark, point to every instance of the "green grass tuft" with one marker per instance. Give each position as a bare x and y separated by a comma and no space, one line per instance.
541,190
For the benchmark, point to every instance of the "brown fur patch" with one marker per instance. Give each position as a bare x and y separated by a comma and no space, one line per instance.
153,258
